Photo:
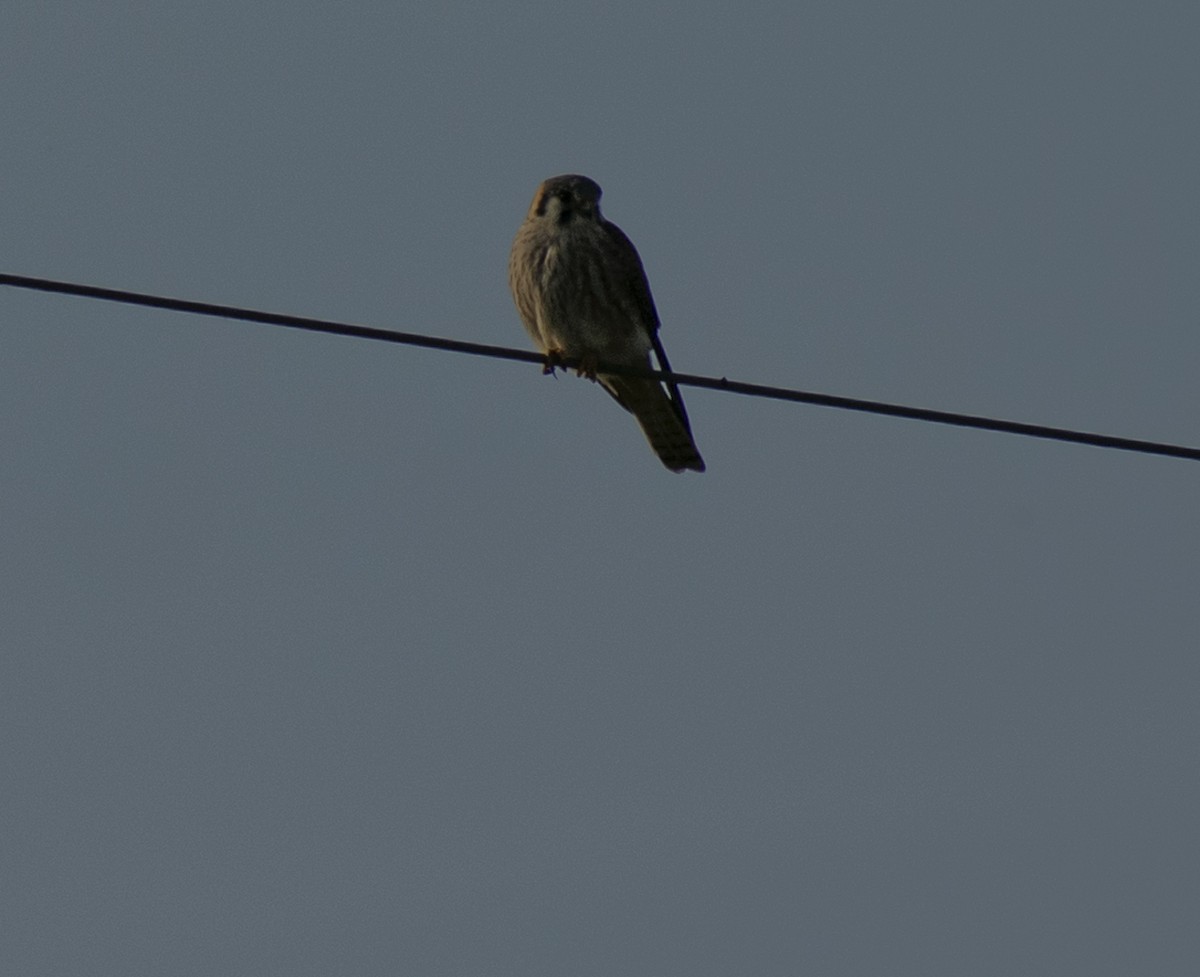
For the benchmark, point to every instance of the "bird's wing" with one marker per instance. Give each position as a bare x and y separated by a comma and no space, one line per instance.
644,311
625,257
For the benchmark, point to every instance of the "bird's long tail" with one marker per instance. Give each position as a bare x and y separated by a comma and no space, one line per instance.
664,425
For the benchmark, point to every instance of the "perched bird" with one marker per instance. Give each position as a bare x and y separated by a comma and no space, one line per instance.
581,291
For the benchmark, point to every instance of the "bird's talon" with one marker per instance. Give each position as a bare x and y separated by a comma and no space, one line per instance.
587,367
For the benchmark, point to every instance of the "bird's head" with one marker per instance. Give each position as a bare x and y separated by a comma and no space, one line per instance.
563,199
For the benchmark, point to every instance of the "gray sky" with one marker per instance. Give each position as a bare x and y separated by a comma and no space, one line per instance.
321,656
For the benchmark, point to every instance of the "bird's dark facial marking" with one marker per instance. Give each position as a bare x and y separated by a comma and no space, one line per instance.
565,199
569,207
567,212
575,206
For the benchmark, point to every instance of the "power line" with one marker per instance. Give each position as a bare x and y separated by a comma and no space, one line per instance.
528,356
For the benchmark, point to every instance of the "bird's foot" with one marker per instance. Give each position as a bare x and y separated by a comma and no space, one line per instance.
587,366
554,358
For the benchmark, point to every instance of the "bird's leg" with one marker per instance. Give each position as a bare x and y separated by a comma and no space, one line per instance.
554,358
587,366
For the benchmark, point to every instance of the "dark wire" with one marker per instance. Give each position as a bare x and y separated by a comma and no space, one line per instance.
682,379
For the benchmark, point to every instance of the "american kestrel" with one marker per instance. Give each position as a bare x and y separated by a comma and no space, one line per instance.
582,293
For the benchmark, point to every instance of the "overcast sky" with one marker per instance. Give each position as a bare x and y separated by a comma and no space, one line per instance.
325,656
